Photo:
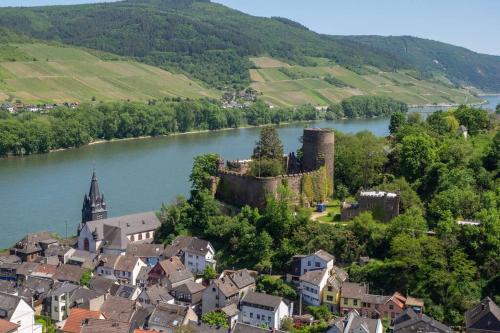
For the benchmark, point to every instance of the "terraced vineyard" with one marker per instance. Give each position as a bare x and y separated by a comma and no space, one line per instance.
37,73
285,85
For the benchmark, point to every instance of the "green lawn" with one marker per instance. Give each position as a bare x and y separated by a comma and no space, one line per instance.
281,90
49,73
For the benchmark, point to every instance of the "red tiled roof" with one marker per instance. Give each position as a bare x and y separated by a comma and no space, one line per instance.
76,317
7,327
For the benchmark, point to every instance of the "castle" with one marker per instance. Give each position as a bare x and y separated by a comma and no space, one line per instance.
234,186
384,204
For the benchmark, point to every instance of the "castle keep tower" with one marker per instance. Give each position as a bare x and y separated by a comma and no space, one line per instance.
94,206
318,149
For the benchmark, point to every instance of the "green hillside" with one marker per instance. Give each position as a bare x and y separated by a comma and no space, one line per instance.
34,72
212,42
286,85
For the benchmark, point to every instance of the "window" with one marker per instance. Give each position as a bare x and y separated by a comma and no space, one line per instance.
269,318
251,314
140,237
56,309
309,263
330,288
317,264
329,298
132,238
86,244
391,307
148,235
258,316
355,302
346,300
213,289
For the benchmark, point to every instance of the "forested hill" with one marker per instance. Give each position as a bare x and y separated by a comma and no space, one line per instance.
213,42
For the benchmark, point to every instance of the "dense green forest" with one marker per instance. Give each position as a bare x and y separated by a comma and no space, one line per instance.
28,133
442,176
212,42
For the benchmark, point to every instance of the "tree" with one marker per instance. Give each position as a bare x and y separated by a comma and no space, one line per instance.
474,119
275,286
215,318
417,154
397,119
269,146
85,279
321,312
209,273
497,110
204,167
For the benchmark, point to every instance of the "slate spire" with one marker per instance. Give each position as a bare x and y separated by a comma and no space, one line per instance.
94,206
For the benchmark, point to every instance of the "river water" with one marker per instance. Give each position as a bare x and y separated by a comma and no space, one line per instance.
45,192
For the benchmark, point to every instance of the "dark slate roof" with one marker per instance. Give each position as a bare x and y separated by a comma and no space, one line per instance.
114,237
8,304
10,259
57,250
125,291
141,315
177,245
226,286
63,288
143,273
355,322
38,284
168,315
375,299
245,328
341,274
313,277
241,278
145,250
409,318
92,325
31,242
486,306
198,246
27,268
82,256
157,293
117,308
353,290
82,296
101,284
69,273
8,287
126,263
189,287
262,299
231,310
324,255
108,260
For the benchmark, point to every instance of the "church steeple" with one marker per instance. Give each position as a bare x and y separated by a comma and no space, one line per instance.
94,206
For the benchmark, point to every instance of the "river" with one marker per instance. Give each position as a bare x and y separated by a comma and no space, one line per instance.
45,192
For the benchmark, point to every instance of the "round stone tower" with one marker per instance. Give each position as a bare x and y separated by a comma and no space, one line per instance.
318,149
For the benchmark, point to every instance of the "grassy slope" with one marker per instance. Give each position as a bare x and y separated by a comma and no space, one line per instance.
47,73
281,90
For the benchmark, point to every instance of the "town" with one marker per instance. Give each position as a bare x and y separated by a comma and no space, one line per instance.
114,276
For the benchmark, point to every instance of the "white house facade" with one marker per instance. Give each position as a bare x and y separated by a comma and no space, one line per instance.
264,310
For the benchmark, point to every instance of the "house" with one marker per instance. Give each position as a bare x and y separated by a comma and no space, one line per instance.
106,265
169,317
113,235
199,327
351,296
232,312
379,306
93,325
45,271
411,322
76,319
218,294
331,292
243,279
188,293
153,295
69,273
101,284
126,291
62,252
8,267
384,205
353,322
149,253
261,310
483,318
127,269
84,259
35,291
169,273
32,246
312,284
301,264
25,269
9,107
142,277
416,304
195,253
119,309
15,310
60,300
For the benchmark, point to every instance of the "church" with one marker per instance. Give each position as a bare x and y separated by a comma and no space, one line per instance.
97,233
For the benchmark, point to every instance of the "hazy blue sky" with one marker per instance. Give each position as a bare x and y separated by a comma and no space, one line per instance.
474,24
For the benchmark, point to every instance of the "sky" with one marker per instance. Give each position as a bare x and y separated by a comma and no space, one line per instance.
474,24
